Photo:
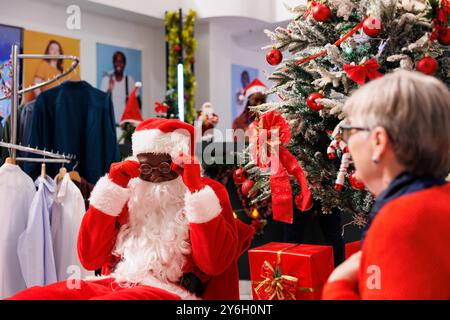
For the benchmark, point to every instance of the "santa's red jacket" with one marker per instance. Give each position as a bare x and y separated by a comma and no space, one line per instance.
216,237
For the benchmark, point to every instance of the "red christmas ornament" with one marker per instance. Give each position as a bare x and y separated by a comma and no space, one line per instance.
311,101
355,183
246,187
239,176
372,27
321,12
444,37
427,65
177,48
274,57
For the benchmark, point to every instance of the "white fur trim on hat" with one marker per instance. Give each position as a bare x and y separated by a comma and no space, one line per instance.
108,197
156,141
202,206
254,90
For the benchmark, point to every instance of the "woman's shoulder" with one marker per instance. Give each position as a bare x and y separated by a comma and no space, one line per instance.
430,207
429,198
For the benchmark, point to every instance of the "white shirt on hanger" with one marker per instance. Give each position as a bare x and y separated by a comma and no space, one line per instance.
67,213
17,191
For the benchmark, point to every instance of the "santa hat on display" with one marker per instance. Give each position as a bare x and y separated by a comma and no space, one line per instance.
254,87
132,113
159,135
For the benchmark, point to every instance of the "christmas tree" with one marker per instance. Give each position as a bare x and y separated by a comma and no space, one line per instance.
331,48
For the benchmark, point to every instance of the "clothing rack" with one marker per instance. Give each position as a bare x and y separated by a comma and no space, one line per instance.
14,94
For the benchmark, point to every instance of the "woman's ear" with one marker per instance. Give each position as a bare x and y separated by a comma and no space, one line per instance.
379,140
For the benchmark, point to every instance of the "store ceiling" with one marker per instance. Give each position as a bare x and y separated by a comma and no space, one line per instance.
246,32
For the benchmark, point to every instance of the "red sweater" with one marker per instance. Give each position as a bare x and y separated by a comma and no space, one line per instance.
407,246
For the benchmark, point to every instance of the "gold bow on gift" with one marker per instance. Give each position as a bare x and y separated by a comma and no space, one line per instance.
275,284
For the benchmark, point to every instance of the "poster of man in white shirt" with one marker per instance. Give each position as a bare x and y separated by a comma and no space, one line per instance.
118,69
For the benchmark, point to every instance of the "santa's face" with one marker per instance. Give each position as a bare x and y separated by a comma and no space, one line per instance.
155,167
155,241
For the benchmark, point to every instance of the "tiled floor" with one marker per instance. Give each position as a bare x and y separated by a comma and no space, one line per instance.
245,289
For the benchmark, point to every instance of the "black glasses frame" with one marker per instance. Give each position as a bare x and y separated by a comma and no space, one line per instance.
163,167
346,131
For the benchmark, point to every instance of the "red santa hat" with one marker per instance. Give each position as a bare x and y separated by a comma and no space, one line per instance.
132,112
254,87
159,135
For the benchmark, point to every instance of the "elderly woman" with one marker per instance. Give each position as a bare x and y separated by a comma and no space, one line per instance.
398,133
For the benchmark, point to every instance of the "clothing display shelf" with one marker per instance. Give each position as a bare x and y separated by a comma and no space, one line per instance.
14,94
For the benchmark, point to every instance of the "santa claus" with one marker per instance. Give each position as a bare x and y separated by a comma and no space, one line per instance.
156,227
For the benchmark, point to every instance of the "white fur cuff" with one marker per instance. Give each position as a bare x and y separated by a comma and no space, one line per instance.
108,197
202,206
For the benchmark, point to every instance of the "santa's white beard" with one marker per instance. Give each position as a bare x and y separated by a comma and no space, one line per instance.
155,242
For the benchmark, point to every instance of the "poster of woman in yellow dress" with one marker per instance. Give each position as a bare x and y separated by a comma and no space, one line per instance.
40,70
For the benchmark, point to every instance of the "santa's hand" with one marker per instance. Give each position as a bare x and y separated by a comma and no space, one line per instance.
122,172
189,168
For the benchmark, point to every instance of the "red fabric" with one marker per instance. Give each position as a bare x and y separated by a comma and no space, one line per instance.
132,112
267,152
121,172
216,246
408,241
351,248
309,264
103,289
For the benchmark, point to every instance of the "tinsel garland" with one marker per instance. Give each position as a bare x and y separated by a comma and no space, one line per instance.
189,47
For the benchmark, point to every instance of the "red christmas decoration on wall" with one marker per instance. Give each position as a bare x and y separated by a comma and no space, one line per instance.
311,101
274,57
427,65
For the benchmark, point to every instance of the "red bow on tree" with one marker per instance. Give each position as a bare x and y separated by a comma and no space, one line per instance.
266,137
360,72
441,19
161,107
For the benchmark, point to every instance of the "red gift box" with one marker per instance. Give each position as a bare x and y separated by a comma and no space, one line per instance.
286,271
352,248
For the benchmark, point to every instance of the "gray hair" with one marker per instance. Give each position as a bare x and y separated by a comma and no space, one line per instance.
415,111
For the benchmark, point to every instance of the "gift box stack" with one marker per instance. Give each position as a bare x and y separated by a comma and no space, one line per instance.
286,271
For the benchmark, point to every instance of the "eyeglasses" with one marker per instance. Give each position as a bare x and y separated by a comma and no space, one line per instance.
347,131
163,167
